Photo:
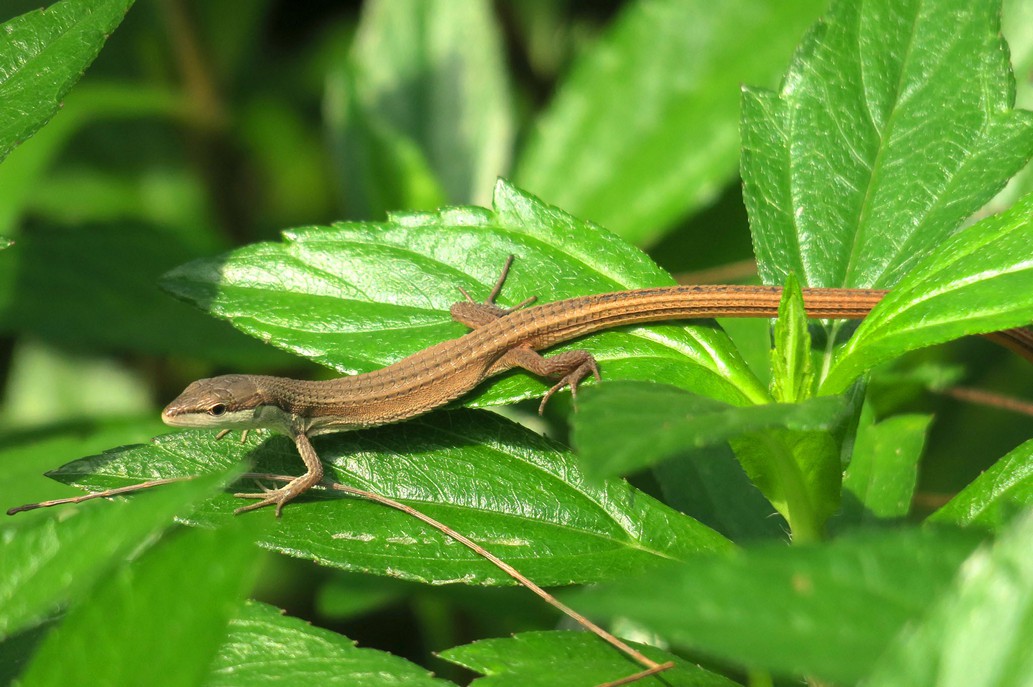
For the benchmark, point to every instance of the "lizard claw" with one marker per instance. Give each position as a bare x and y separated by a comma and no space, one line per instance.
572,379
278,497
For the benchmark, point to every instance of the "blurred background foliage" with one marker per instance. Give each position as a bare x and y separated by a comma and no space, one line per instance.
205,125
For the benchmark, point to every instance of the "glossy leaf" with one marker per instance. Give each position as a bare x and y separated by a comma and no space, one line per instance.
826,611
49,561
625,426
994,497
880,480
159,620
517,494
261,636
981,280
426,84
644,130
575,659
892,126
979,635
356,297
42,55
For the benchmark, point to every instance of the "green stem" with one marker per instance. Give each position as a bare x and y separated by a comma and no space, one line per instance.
830,346
803,521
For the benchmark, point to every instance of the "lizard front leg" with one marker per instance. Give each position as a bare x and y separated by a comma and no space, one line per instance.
294,488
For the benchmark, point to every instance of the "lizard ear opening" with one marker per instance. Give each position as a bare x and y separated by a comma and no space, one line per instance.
217,409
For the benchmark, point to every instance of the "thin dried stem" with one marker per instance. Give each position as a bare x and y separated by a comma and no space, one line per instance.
652,667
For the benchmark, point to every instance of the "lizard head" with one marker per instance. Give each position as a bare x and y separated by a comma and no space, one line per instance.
227,402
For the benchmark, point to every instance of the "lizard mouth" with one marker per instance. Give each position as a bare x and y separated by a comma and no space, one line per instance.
177,416
170,415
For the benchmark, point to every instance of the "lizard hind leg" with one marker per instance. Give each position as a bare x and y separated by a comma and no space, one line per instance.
570,366
474,314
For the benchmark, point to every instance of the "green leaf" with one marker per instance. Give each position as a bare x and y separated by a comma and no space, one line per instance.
826,611
625,426
980,280
347,595
880,481
16,652
1017,28
356,297
791,373
49,385
266,647
42,55
381,170
644,130
995,496
425,84
74,286
49,561
979,635
25,172
159,620
791,452
516,493
545,659
709,484
892,126
492,611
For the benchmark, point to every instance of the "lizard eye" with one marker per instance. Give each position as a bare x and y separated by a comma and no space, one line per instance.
217,409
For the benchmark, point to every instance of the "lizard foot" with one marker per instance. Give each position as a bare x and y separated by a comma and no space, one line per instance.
278,497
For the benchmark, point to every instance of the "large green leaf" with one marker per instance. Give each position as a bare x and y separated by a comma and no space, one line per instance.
981,280
893,125
159,620
994,497
826,611
644,130
425,82
48,561
538,659
980,634
264,646
356,297
518,494
42,55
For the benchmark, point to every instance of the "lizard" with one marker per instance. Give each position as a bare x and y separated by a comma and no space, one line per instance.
500,339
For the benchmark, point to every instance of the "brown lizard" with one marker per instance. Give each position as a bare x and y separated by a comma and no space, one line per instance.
501,339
